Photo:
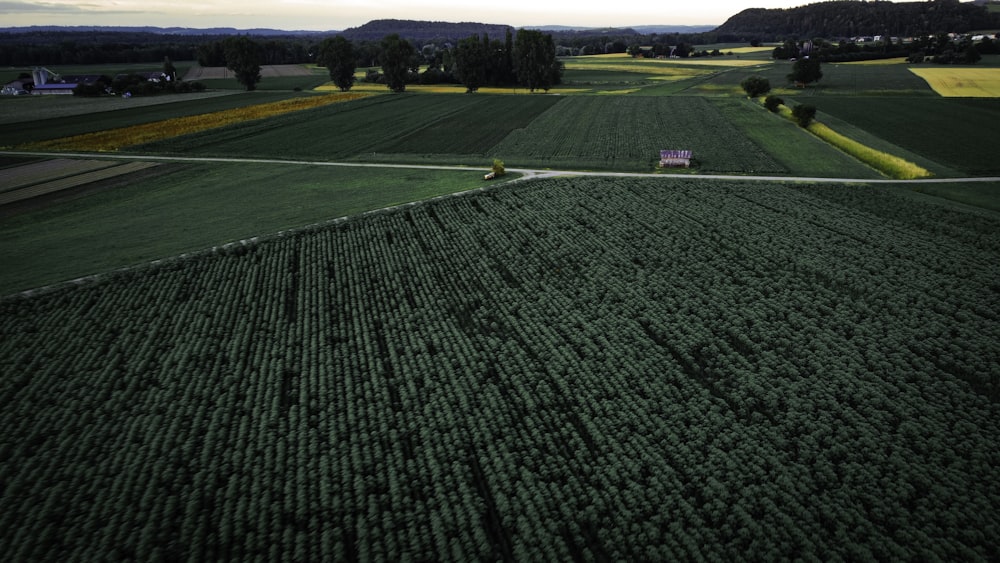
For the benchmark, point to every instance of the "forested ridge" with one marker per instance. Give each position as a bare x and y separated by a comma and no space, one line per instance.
426,31
853,18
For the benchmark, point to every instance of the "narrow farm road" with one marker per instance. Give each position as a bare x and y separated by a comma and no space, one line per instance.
527,173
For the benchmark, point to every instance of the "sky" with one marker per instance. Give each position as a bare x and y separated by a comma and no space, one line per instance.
326,15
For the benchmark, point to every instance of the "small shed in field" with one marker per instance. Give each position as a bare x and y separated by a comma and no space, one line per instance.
669,158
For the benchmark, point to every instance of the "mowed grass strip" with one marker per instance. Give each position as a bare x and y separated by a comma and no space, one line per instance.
115,139
962,82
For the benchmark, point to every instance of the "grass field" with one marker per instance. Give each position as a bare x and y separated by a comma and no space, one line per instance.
841,79
188,207
962,82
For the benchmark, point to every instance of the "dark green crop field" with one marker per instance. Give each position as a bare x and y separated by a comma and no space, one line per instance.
405,124
957,132
566,369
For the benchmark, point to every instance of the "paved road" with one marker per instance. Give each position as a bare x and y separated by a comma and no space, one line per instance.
527,173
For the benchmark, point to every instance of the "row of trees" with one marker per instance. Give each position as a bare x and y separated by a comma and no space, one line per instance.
942,49
529,60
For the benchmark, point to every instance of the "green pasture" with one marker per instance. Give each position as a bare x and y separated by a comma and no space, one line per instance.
955,132
839,79
187,207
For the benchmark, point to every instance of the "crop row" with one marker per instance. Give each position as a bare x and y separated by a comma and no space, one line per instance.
570,368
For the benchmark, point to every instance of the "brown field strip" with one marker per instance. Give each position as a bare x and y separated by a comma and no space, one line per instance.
80,179
47,170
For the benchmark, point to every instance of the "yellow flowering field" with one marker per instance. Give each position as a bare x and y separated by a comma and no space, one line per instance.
114,139
962,82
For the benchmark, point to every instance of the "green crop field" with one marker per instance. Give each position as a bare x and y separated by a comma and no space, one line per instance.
614,132
188,207
590,369
369,125
628,132
49,117
798,153
954,132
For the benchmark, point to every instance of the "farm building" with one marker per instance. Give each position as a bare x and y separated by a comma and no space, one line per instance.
673,158
48,82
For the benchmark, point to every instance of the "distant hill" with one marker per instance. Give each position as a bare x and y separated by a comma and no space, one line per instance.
853,19
423,31
188,31
643,29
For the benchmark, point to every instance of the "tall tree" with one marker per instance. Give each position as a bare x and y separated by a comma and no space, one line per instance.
243,57
338,56
470,63
535,60
805,71
397,60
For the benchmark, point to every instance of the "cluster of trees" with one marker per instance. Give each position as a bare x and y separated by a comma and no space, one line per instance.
529,60
942,49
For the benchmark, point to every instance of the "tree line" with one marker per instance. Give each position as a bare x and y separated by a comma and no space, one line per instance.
527,59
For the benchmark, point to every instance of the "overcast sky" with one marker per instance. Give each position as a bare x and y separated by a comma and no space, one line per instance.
324,15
